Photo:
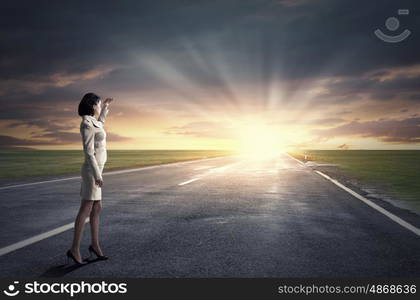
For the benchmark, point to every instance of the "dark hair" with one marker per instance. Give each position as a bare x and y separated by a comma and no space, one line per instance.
87,103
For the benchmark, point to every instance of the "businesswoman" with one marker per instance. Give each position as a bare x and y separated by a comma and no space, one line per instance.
93,112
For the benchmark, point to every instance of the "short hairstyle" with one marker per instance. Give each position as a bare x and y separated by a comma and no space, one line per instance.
87,103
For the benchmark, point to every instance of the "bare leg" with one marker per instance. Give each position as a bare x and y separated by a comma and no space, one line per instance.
94,225
79,224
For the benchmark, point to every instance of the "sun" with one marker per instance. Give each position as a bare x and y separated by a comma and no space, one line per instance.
260,140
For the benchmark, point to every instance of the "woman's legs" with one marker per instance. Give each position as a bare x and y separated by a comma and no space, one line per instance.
79,224
94,225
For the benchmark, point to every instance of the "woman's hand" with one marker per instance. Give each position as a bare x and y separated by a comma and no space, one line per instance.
106,102
99,182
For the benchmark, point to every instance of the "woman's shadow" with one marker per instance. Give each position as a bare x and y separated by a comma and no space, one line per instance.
63,269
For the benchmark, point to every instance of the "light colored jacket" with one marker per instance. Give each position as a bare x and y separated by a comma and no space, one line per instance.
94,142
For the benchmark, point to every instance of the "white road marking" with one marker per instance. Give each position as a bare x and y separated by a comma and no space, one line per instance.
300,162
66,227
224,168
36,238
188,181
214,170
390,215
39,182
115,172
393,217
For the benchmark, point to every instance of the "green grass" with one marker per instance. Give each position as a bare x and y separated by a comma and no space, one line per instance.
397,171
27,163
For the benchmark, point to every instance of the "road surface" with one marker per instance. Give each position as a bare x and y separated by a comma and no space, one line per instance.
224,217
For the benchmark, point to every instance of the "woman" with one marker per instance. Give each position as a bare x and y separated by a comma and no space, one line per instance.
93,113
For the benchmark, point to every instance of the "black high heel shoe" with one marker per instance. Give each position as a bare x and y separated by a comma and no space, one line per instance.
70,255
100,257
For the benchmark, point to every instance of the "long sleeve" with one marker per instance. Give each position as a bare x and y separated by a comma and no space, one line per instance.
102,115
88,136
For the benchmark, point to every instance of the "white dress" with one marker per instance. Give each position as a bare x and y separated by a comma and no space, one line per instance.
94,148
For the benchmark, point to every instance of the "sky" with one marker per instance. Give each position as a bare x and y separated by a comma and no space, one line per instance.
220,74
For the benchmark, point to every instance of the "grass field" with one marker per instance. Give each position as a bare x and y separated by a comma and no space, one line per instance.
398,172
27,163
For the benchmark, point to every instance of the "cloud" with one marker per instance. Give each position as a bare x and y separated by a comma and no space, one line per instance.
203,130
7,147
292,3
57,137
54,138
114,137
58,80
386,130
44,124
57,132
6,140
229,54
325,121
301,38
50,131
381,85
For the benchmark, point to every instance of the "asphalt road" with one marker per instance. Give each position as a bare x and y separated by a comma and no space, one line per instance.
225,217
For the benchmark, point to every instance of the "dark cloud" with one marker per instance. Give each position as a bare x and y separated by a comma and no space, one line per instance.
326,121
288,39
375,88
45,124
50,131
114,137
54,138
292,2
386,130
6,140
343,112
8,147
65,138
28,112
55,132
415,97
52,52
60,137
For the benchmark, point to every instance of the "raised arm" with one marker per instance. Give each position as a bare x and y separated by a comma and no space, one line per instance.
88,137
102,116
104,110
